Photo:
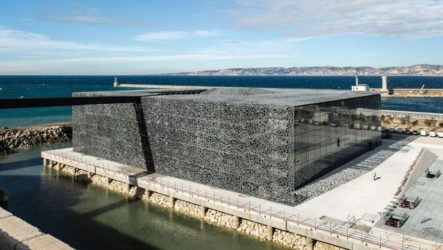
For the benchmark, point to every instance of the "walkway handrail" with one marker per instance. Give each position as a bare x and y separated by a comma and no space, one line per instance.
412,114
375,237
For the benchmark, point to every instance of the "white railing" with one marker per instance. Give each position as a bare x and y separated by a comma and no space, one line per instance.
412,114
378,238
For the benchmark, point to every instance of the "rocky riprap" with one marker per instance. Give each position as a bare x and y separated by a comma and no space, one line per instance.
20,138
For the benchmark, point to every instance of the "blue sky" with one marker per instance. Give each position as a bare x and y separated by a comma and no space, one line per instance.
153,36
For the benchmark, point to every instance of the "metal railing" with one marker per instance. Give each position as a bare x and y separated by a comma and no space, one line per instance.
412,114
376,237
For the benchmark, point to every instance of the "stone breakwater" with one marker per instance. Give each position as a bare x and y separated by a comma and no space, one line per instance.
20,138
243,226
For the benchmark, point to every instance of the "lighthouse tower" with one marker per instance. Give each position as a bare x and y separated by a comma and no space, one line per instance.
115,82
384,83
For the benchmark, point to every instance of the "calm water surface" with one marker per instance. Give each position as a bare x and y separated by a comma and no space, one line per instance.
88,217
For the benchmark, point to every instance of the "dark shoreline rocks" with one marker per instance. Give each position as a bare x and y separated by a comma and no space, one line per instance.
22,138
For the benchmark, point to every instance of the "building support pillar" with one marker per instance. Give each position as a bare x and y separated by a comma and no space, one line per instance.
90,174
237,221
171,201
269,232
203,210
310,243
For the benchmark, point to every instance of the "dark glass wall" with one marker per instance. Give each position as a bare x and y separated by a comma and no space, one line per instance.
331,133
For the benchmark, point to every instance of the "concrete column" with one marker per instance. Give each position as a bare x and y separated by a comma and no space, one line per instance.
237,221
148,194
203,210
310,243
269,232
171,202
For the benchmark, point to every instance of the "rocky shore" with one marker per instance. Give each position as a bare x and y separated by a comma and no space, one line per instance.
26,137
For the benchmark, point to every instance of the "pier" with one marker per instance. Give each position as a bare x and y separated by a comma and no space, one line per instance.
409,92
271,218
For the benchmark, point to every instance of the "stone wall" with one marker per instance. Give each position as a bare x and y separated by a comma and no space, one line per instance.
417,92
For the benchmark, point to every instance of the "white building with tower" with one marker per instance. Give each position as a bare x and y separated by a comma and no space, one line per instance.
364,87
357,86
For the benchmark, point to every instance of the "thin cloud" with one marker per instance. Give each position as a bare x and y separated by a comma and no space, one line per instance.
163,36
18,40
88,18
82,14
400,18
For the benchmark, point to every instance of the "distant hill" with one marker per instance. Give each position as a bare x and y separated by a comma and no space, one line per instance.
416,70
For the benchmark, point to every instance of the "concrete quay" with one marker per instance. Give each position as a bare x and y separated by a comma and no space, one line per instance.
19,235
272,220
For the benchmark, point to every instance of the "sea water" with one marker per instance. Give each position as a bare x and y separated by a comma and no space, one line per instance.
64,86
89,217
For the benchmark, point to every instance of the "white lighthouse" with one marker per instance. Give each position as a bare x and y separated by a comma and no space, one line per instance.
384,83
116,82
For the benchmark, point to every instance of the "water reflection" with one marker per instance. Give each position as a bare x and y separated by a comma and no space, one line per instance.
88,217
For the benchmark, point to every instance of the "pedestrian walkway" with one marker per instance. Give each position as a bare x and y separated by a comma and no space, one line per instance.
364,198
350,171
301,220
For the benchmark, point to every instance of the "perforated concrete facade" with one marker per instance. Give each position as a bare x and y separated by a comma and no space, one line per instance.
260,142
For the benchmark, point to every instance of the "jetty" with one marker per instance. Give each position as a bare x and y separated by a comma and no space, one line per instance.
385,91
155,86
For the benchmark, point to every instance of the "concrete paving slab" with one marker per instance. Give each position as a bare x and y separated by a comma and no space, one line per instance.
43,242
365,196
426,220
4,213
14,230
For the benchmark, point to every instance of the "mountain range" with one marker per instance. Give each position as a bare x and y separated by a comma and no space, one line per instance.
416,70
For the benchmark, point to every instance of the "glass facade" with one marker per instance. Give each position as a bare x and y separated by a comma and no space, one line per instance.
331,133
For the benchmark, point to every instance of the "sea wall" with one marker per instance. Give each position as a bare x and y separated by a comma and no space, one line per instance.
417,93
19,138
17,234
243,226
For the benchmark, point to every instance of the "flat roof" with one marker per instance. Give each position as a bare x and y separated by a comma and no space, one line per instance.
264,96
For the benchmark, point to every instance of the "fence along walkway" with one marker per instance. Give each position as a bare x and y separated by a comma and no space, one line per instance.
412,114
277,215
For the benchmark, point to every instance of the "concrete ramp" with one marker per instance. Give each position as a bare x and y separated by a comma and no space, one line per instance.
425,159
